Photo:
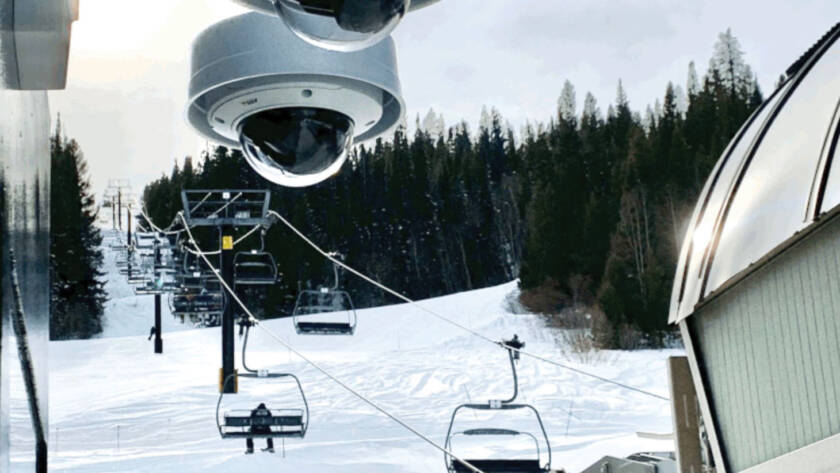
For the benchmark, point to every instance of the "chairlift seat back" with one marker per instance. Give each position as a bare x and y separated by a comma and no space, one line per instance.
324,328
311,303
254,268
278,418
499,466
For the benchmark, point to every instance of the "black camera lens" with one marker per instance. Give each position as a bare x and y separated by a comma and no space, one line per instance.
296,146
367,16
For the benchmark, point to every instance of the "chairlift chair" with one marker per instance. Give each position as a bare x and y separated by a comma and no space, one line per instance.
529,465
197,303
311,303
137,276
280,423
201,317
147,289
500,465
254,268
124,259
144,240
155,286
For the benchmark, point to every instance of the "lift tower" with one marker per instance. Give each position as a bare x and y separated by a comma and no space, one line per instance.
116,191
227,209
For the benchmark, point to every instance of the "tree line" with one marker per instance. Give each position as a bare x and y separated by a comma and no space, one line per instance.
587,210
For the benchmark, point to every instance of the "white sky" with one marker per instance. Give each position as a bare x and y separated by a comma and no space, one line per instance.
128,62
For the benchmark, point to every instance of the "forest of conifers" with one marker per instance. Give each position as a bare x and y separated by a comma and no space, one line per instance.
587,210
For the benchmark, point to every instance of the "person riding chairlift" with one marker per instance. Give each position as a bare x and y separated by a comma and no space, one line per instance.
259,426
516,344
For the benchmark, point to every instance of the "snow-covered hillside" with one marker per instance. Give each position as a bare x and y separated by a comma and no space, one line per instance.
125,313
115,406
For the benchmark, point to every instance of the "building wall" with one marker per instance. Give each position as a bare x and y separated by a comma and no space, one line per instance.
770,355
24,218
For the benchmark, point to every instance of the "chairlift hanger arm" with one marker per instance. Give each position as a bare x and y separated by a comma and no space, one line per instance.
515,378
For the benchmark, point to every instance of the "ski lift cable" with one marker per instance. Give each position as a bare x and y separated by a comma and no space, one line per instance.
204,199
234,199
166,231
251,231
158,229
218,252
315,365
209,253
456,324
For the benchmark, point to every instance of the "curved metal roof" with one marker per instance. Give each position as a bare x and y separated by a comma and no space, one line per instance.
774,179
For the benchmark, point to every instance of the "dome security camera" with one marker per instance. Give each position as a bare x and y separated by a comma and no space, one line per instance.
295,109
340,25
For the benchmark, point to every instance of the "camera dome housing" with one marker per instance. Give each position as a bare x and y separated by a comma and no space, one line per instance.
339,25
300,144
295,109
342,25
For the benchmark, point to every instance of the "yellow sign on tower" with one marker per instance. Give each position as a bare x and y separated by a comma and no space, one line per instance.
227,242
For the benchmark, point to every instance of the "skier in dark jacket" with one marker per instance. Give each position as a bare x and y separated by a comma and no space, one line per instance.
260,425
516,344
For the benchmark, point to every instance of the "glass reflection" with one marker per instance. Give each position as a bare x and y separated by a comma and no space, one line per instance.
24,228
831,198
701,234
771,203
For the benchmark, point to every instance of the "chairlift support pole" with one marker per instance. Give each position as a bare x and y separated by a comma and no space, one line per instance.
130,251
251,209
158,328
228,348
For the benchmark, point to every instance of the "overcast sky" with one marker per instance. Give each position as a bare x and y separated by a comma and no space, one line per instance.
128,62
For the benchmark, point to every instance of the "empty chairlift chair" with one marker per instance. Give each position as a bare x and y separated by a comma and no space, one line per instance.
493,465
324,312
538,462
254,268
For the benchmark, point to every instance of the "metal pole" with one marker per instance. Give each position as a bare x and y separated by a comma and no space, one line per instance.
158,328
130,251
119,207
228,346
113,214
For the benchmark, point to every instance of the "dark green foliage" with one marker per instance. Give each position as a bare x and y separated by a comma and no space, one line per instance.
634,183
428,215
77,291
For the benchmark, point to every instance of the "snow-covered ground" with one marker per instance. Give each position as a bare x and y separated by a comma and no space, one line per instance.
117,407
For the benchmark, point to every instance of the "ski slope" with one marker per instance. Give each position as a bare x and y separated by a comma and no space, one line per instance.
117,407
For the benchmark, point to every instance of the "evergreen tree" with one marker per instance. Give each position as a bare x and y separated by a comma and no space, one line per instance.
77,290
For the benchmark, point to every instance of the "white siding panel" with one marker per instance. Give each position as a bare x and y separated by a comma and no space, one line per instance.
770,348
